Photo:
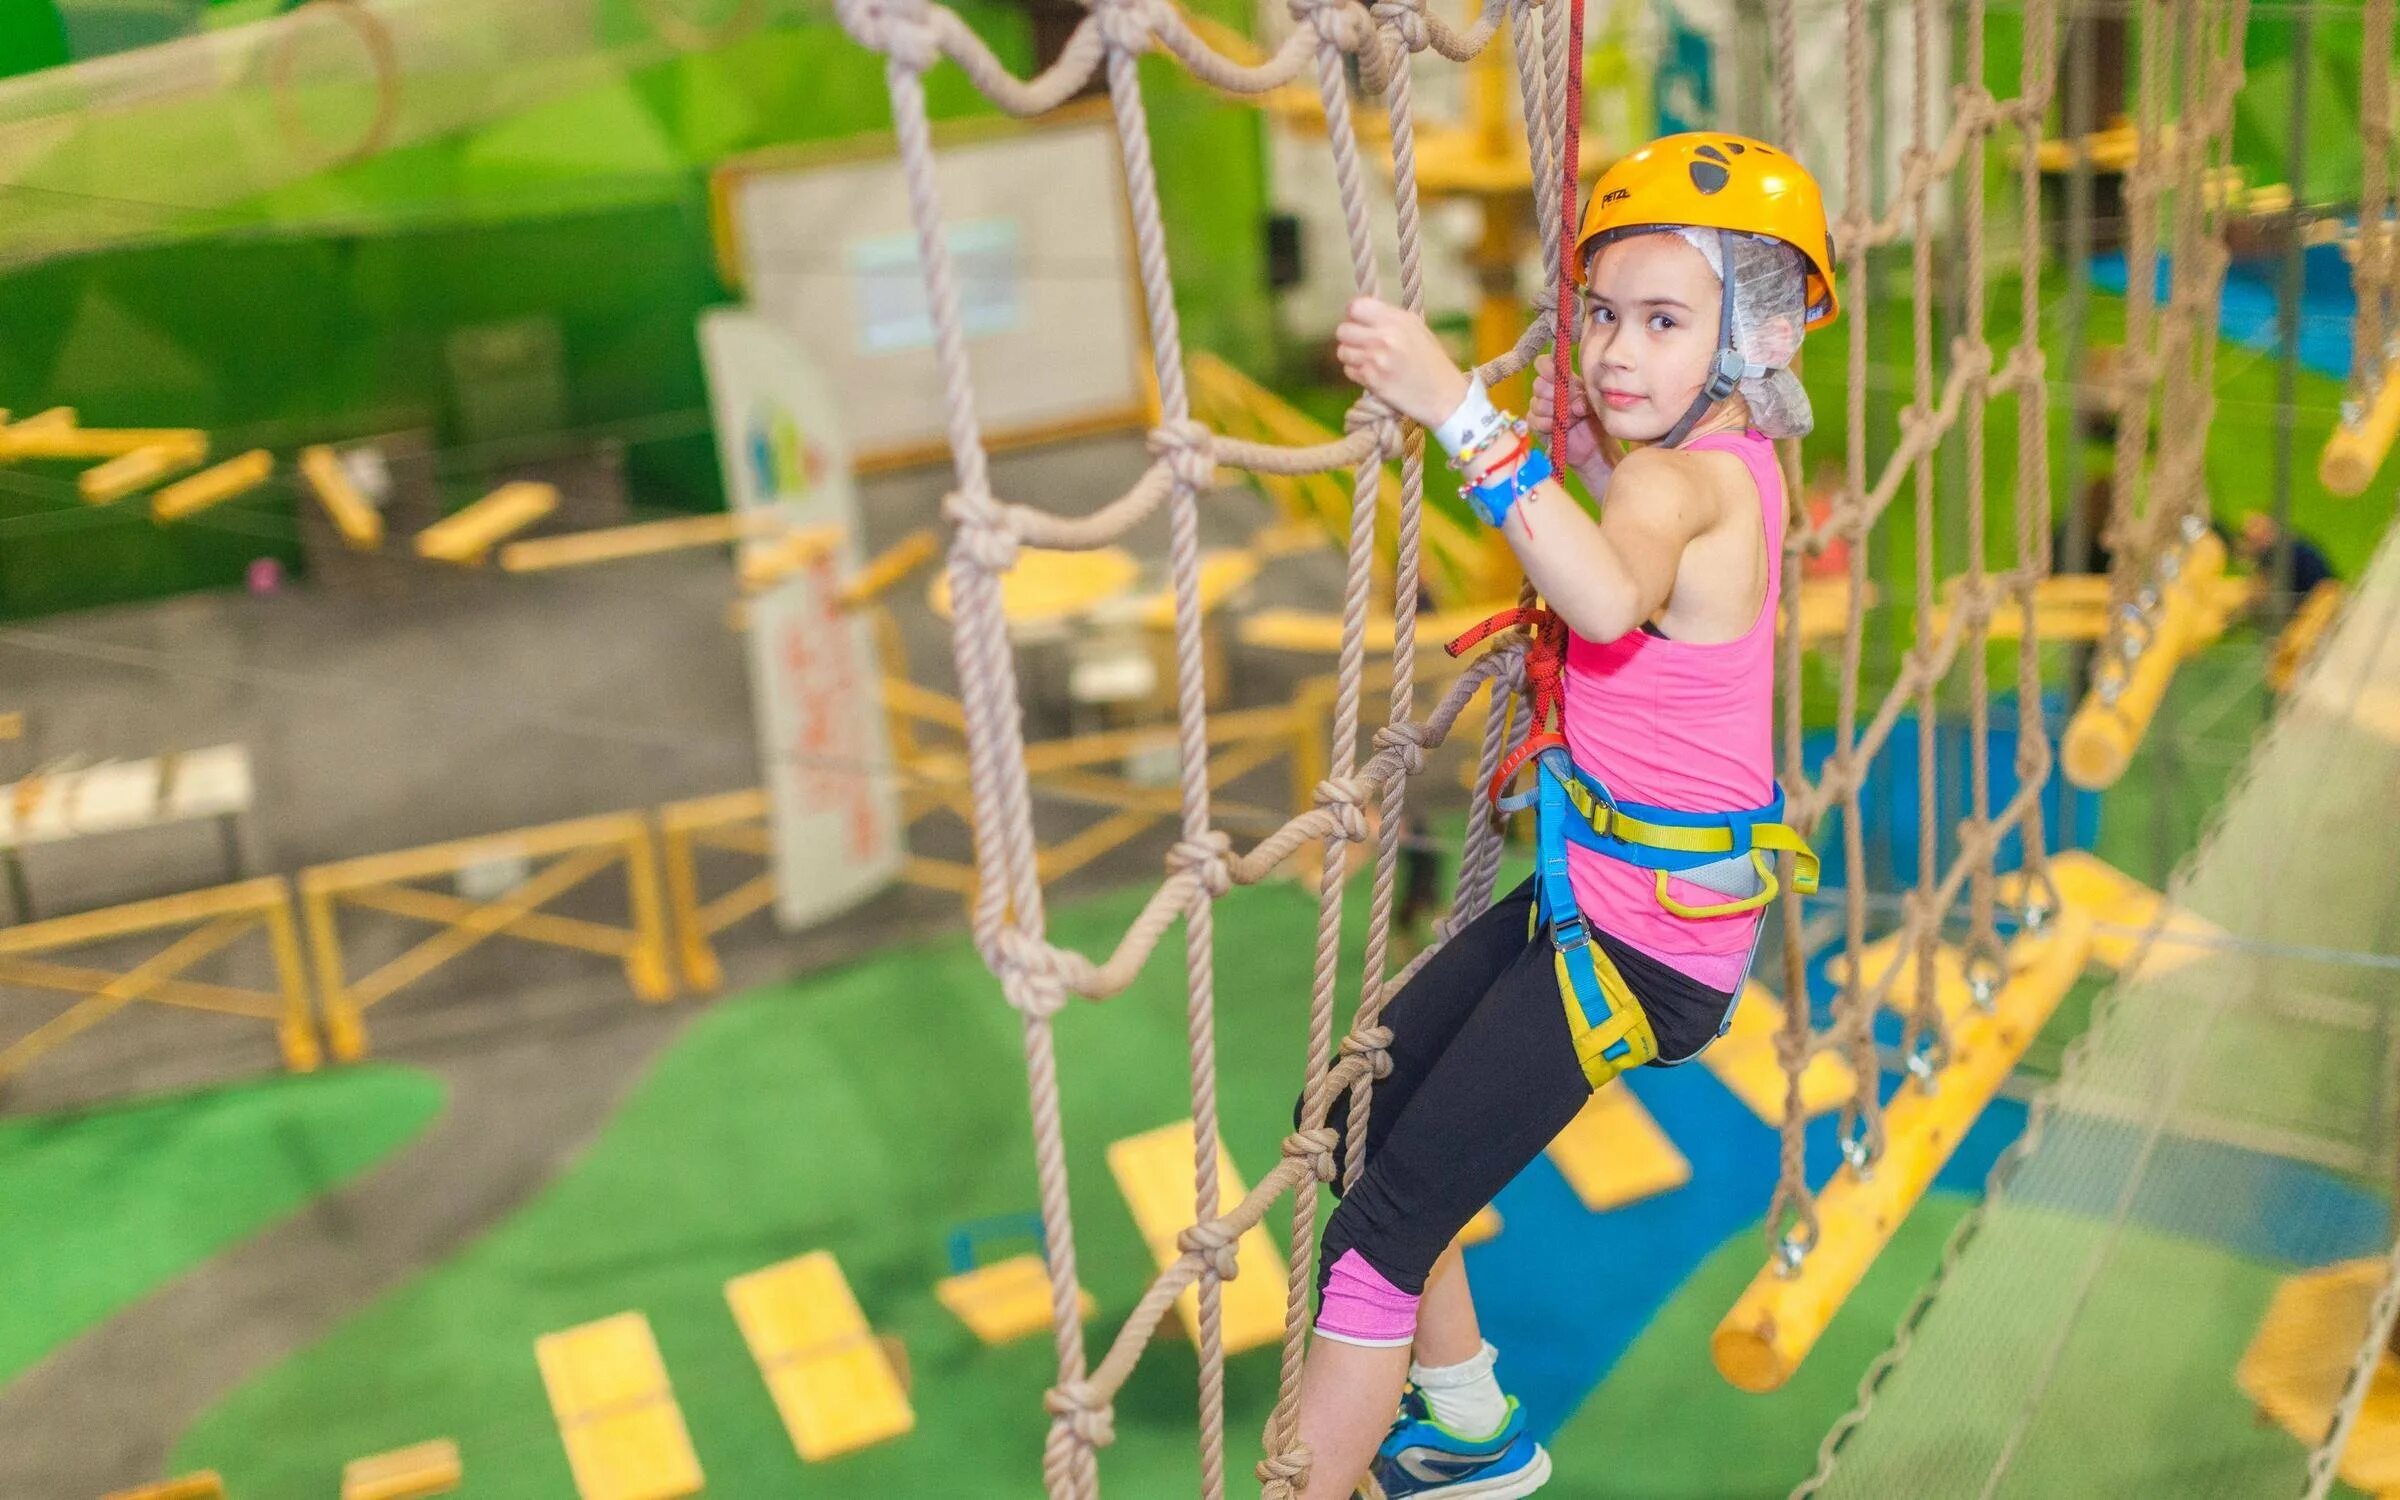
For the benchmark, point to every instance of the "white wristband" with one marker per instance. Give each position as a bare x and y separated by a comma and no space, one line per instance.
1475,421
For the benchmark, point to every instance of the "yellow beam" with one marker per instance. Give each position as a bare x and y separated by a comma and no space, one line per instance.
119,477
647,539
212,486
53,434
2101,738
767,563
884,571
1775,1324
2297,1369
2357,450
466,536
205,1485
404,1473
359,522
2122,909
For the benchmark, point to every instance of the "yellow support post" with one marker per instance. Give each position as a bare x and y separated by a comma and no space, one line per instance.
1775,1324
2298,640
468,535
2100,740
212,486
119,477
2357,450
409,1473
833,1381
359,522
616,1413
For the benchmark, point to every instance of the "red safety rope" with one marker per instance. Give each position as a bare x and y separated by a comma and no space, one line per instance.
1545,687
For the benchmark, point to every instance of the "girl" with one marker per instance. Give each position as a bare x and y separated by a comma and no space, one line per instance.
1703,259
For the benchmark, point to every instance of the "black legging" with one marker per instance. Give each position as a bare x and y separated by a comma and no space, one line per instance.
1483,1077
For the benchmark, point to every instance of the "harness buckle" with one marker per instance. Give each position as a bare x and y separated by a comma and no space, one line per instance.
1568,933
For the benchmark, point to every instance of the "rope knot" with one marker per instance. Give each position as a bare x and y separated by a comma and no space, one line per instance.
1374,1044
1217,1246
896,28
1280,1475
1190,450
1374,413
1283,1473
1208,858
1085,1411
1406,18
1032,976
1342,796
985,536
1316,1147
1124,25
1409,740
1330,19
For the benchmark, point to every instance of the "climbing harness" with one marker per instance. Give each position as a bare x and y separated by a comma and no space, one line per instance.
1723,852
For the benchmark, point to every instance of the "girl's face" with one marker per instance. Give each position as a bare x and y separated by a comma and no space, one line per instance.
1649,333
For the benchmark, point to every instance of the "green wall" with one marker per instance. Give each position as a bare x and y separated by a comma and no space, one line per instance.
336,306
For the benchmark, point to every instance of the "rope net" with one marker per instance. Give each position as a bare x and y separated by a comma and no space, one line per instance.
1937,209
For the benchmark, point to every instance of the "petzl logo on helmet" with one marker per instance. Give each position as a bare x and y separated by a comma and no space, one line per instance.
1617,195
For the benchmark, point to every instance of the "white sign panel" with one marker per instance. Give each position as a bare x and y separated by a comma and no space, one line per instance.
833,800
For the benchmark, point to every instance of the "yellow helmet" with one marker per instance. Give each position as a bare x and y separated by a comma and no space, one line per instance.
1708,179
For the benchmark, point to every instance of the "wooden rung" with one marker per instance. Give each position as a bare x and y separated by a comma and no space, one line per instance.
616,543
468,535
1613,1153
1775,1323
624,1434
119,477
1006,1300
358,521
832,1381
205,1485
212,486
1746,1062
2125,908
1154,1172
404,1473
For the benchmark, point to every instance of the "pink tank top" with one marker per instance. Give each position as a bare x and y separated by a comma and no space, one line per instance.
1685,726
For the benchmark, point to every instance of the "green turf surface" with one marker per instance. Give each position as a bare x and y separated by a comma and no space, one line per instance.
1701,1438
866,1111
99,1207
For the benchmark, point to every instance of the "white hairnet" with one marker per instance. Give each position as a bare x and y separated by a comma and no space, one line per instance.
1770,286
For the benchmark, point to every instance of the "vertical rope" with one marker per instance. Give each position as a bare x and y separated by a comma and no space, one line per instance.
1562,273
1983,942
1126,37
2036,78
1854,1012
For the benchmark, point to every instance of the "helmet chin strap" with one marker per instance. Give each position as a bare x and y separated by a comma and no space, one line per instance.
1728,370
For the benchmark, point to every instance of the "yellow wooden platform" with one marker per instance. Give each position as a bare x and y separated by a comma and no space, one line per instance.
1744,1061
404,1473
205,1485
1613,1153
1950,992
624,1433
1483,1226
1006,1300
1154,1172
2296,1366
2122,909
832,1380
